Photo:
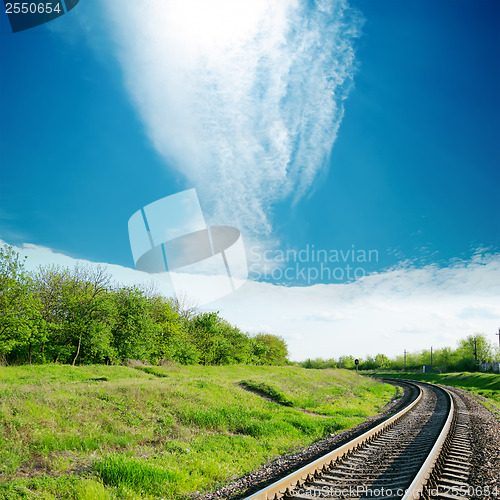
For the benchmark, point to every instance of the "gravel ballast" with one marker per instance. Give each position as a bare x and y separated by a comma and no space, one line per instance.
484,475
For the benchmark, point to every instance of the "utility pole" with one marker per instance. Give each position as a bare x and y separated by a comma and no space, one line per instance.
405,361
475,349
498,337
431,357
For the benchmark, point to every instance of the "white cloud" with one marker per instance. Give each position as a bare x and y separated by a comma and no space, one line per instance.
242,97
405,308
38,256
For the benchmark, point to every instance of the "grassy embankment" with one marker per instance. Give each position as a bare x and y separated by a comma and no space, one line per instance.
99,432
483,384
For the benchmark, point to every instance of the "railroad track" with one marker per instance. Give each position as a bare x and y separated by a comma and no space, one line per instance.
423,451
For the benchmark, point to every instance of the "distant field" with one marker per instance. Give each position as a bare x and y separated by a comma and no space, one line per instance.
484,384
102,432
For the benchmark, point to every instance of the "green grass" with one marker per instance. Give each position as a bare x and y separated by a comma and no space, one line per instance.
266,390
483,384
106,432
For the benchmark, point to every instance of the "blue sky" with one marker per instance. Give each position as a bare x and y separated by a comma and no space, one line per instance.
103,111
416,164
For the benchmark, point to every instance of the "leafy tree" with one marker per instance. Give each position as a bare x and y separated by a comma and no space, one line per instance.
237,346
276,350
134,330
465,365
346,362
75,316
171,337
203,329
476,347
374,362
319,363
257,351
445,358
77,312
496,354
381,360
216,341
20,319
185,306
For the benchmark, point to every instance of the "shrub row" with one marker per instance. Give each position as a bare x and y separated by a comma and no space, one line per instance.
80,316
465,357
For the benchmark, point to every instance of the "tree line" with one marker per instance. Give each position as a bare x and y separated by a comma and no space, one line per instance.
79,315
469,352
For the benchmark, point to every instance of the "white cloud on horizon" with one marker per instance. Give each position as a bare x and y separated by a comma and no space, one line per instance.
403,308
243,98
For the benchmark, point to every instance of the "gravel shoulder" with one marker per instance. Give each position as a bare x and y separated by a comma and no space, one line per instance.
484,475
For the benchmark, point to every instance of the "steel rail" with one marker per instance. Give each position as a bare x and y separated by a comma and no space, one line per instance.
419,484
302,475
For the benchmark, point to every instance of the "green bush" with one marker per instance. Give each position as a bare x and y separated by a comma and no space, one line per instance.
80,317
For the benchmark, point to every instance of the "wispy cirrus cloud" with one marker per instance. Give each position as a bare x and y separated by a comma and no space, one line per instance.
243,97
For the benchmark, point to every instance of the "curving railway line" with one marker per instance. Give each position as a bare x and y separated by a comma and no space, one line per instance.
423,451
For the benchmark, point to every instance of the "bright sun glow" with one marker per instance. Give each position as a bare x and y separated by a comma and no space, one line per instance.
215,24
